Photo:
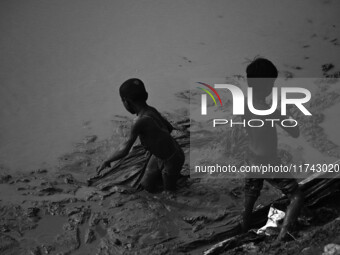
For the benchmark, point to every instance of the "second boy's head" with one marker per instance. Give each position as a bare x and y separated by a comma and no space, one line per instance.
133,92
261,75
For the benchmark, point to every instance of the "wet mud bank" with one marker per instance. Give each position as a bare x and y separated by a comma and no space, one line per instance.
47,212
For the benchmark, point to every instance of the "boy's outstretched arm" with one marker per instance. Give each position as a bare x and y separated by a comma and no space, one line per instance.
123,149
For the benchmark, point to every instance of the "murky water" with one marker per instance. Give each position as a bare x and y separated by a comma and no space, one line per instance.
62,61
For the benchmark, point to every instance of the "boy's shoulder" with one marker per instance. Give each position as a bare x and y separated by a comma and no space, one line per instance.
138,123
142,121
153,111
139,120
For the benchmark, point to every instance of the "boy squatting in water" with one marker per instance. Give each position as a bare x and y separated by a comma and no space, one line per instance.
153,131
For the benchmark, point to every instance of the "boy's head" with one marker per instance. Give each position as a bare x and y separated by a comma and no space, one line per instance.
132,91
261,75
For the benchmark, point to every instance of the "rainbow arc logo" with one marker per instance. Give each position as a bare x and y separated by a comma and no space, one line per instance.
204,97
209,93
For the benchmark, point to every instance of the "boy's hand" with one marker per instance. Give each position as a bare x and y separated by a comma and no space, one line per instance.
104,165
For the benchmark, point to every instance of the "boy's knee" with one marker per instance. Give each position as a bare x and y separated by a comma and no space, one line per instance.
150,183
253,187
149,187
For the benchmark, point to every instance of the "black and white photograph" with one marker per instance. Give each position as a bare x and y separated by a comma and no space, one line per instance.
132,127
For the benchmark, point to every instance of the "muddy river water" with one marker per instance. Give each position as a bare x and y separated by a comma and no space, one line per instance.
62,62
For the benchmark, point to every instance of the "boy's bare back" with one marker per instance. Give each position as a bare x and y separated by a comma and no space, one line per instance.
154,133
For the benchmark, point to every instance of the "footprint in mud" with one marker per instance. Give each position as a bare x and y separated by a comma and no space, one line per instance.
288,74
310,21
86,124
334,42
186,59
294,67
327,67
90,139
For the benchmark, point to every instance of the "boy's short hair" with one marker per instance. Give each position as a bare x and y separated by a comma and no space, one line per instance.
261,68
261,74
133,89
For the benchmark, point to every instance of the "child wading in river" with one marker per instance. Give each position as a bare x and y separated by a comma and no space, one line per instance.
262,149
153,131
